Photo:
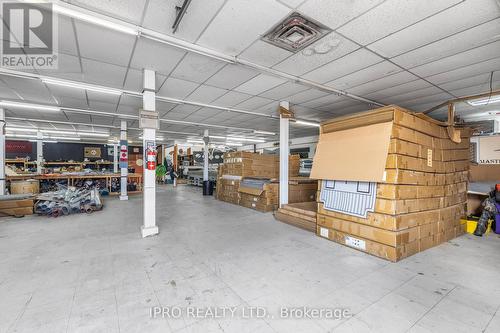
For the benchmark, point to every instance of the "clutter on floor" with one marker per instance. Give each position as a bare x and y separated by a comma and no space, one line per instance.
68,200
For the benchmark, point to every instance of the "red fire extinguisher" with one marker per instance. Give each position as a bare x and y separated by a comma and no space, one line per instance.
151,159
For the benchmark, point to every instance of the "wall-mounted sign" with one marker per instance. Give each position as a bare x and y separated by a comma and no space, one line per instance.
123,154
18,147
92,152
489,149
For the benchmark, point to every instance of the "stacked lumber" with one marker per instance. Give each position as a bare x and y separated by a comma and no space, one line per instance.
421,196
301,214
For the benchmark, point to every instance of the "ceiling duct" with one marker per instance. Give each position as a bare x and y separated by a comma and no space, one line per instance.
295,33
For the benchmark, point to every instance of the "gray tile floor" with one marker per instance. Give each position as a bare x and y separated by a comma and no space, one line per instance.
93,273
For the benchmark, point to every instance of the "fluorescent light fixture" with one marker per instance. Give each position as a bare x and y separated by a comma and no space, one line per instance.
13,135
263,132
195,141
485,101
233,144
95,20
237,138
307,123
44,141
79,85
21,129
70,138
58,132
93,134
29,106
245,139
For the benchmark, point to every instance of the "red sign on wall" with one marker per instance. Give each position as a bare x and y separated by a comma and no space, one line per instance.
18,146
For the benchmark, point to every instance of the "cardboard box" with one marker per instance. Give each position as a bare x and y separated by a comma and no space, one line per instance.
421,177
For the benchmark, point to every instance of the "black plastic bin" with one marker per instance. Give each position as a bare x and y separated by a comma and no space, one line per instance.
208,187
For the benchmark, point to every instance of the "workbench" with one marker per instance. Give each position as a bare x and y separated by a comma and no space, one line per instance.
73,178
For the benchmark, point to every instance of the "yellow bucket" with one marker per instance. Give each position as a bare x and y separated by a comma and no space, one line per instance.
471,226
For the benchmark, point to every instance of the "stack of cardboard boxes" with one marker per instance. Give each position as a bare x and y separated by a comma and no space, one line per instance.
239,166
420,175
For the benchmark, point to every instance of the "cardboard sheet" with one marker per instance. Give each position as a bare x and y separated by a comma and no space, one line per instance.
357,154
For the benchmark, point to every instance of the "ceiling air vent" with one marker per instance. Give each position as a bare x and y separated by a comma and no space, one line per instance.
295,33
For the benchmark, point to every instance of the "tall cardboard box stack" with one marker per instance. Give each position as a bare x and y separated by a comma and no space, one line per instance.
406,162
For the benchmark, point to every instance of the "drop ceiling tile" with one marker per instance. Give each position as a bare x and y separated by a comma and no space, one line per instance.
128,110
197,68
231,99
404,98
365,75
6,92
464,72
253,103
434,99
460,42
79,117
466,58
68,68
348,64
101,97
66,42
461,17
163,107
134,80
231,76
328,99
103,44
102,106
30,90
160,16
389,17
306,96
156,56
251,21
77,103
102,120
328,48
259,84
335,15
103,73
134,101
384,82
284,90
481,79
128,10
264,54
477,89
206,94
61,91
399,89
177,88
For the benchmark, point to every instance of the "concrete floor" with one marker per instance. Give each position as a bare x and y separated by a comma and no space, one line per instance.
93,273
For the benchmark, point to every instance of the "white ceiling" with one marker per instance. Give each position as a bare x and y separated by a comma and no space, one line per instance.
414,53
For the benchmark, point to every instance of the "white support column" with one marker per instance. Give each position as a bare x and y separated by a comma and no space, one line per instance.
205,156
39,152
2,151
149,227
115,157
284,152
123,160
